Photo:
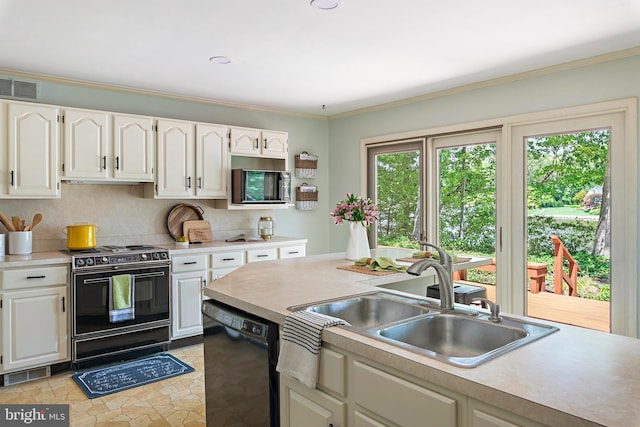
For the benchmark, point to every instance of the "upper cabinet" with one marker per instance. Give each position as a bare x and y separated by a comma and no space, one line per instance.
260,143
104,146
192,160
211,160
31,132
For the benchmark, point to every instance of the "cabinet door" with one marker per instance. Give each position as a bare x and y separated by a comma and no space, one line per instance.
35,328
133,148
175,159
244,141
275,144
302,406
211,161
86,135
186,301
33,150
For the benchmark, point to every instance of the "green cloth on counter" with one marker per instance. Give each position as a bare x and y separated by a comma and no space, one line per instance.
121,291
420,254
380,264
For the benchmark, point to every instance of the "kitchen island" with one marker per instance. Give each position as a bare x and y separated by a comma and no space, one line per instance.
573,377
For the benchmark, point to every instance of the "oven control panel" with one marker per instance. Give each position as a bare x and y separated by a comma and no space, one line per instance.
101,260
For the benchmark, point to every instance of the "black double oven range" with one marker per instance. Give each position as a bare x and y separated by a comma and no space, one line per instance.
97,335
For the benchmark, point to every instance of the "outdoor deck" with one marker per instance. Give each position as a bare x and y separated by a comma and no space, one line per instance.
562,308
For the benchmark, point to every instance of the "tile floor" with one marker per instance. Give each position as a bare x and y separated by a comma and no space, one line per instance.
177,401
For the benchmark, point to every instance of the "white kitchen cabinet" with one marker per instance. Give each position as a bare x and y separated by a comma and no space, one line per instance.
303,406
35,317
175,155
262,254
211,161
223,263
421,406
192,160
33,139
102,146
293,251
256,142
133,148
85,144
188,279
484,415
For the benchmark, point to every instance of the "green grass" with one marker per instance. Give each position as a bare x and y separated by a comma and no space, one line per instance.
563,211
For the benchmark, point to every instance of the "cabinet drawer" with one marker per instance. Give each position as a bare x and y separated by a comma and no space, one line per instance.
372,388
188,263
266,254
291,251
227,259
34,277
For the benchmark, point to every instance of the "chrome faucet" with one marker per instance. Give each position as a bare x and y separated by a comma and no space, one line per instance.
444,270
493,307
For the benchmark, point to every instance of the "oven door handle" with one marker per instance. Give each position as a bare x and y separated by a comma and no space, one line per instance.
134,276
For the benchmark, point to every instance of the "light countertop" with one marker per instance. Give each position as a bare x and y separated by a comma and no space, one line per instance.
62,256
573,377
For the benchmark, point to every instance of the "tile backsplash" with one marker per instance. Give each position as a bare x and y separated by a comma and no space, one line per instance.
121,214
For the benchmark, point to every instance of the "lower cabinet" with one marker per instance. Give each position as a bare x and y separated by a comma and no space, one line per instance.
186,302
402,402
483,415
35,317
191,272
356,392
188,279
303,406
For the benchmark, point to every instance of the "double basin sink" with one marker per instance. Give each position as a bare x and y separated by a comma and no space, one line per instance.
461,337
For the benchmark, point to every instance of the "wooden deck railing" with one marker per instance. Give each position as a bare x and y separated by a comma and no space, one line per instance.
559,275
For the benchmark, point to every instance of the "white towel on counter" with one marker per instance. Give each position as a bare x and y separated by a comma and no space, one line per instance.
301,341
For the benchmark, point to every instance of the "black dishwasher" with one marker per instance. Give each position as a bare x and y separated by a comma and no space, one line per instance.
240,358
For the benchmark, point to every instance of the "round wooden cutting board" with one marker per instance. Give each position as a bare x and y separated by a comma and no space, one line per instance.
179,214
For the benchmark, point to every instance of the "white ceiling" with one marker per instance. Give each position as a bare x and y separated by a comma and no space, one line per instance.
289,56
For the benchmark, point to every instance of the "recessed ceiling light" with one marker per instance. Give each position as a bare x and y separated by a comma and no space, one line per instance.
220,59
325,4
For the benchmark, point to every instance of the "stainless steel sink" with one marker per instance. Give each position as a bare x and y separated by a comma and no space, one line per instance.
461,337
462,340
369,310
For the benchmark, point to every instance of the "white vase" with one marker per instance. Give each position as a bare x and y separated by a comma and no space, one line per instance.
358,243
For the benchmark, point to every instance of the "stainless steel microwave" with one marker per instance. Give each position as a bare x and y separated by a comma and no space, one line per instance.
260,186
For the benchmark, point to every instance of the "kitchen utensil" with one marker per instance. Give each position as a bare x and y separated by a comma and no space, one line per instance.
202,230
17,223
80,236
37,218
179,214
5,221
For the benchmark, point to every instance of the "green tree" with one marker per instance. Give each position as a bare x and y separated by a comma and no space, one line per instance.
467,198
398,186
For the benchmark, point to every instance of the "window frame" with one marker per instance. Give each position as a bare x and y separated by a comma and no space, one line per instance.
510,249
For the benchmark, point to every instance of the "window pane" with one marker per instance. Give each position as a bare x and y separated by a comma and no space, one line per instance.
398,198
467,205
568,228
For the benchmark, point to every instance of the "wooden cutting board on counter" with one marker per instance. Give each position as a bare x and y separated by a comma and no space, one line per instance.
197,231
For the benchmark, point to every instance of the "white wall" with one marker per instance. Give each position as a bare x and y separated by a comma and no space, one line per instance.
125,217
